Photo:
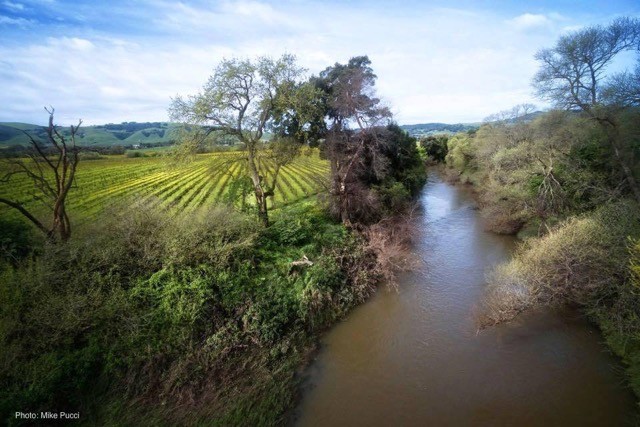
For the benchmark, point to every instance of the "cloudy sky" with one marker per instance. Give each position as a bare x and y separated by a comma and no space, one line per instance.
113,61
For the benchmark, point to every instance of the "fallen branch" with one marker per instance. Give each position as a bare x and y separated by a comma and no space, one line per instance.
304,262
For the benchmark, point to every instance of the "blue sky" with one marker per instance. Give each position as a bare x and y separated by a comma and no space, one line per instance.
114,61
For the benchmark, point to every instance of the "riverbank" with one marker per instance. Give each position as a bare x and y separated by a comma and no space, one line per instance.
414,356
153,319
204,317
577,252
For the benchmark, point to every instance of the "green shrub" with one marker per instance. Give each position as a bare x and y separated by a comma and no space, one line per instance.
134,154
148,307
16,242
435,146
90,155
619,318
534,172
394,196
582,261
459,152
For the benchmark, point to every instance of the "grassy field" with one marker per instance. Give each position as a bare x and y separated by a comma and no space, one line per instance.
179,188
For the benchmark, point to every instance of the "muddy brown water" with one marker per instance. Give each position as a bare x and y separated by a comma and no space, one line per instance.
414,358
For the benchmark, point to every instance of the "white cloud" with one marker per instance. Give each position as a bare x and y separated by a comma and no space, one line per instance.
261,11
557,16
432,64
571,28
70,43
20,22
13,6
528,21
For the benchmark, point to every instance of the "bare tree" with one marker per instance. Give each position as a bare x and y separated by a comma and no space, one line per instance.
242,99
517,114
513,123
573,76
622,90
52,168
572,72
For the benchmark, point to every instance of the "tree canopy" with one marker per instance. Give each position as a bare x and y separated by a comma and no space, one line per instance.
246,99
572,73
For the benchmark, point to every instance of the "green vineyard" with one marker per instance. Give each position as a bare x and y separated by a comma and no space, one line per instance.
161,183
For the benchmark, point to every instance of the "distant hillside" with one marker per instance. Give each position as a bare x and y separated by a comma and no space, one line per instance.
129,134
425,129
125,134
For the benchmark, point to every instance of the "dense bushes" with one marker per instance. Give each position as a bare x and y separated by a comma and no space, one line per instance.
620,320
387,178
16,241
582,261
534,173
153,309
435,147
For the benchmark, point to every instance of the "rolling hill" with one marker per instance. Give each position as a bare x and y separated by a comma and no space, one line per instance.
425,129
125,134
129,134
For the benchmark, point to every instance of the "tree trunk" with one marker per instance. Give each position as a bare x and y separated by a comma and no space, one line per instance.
344,217
263,213
344,204
61,225
243,201
261,195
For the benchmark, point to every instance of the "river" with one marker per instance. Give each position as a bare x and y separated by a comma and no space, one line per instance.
414,357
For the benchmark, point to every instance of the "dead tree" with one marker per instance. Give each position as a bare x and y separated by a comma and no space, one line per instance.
52,169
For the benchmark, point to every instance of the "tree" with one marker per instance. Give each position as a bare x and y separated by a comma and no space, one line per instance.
572,72
349,99
622,90
573,75
245,99
435,146
52,168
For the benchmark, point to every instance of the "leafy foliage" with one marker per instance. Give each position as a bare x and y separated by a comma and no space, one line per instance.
157,308
535,173
435,147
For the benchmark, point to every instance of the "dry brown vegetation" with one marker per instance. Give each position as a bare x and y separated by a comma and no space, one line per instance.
582,261
390,239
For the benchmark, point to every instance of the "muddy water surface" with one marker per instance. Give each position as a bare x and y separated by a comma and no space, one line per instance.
414,357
